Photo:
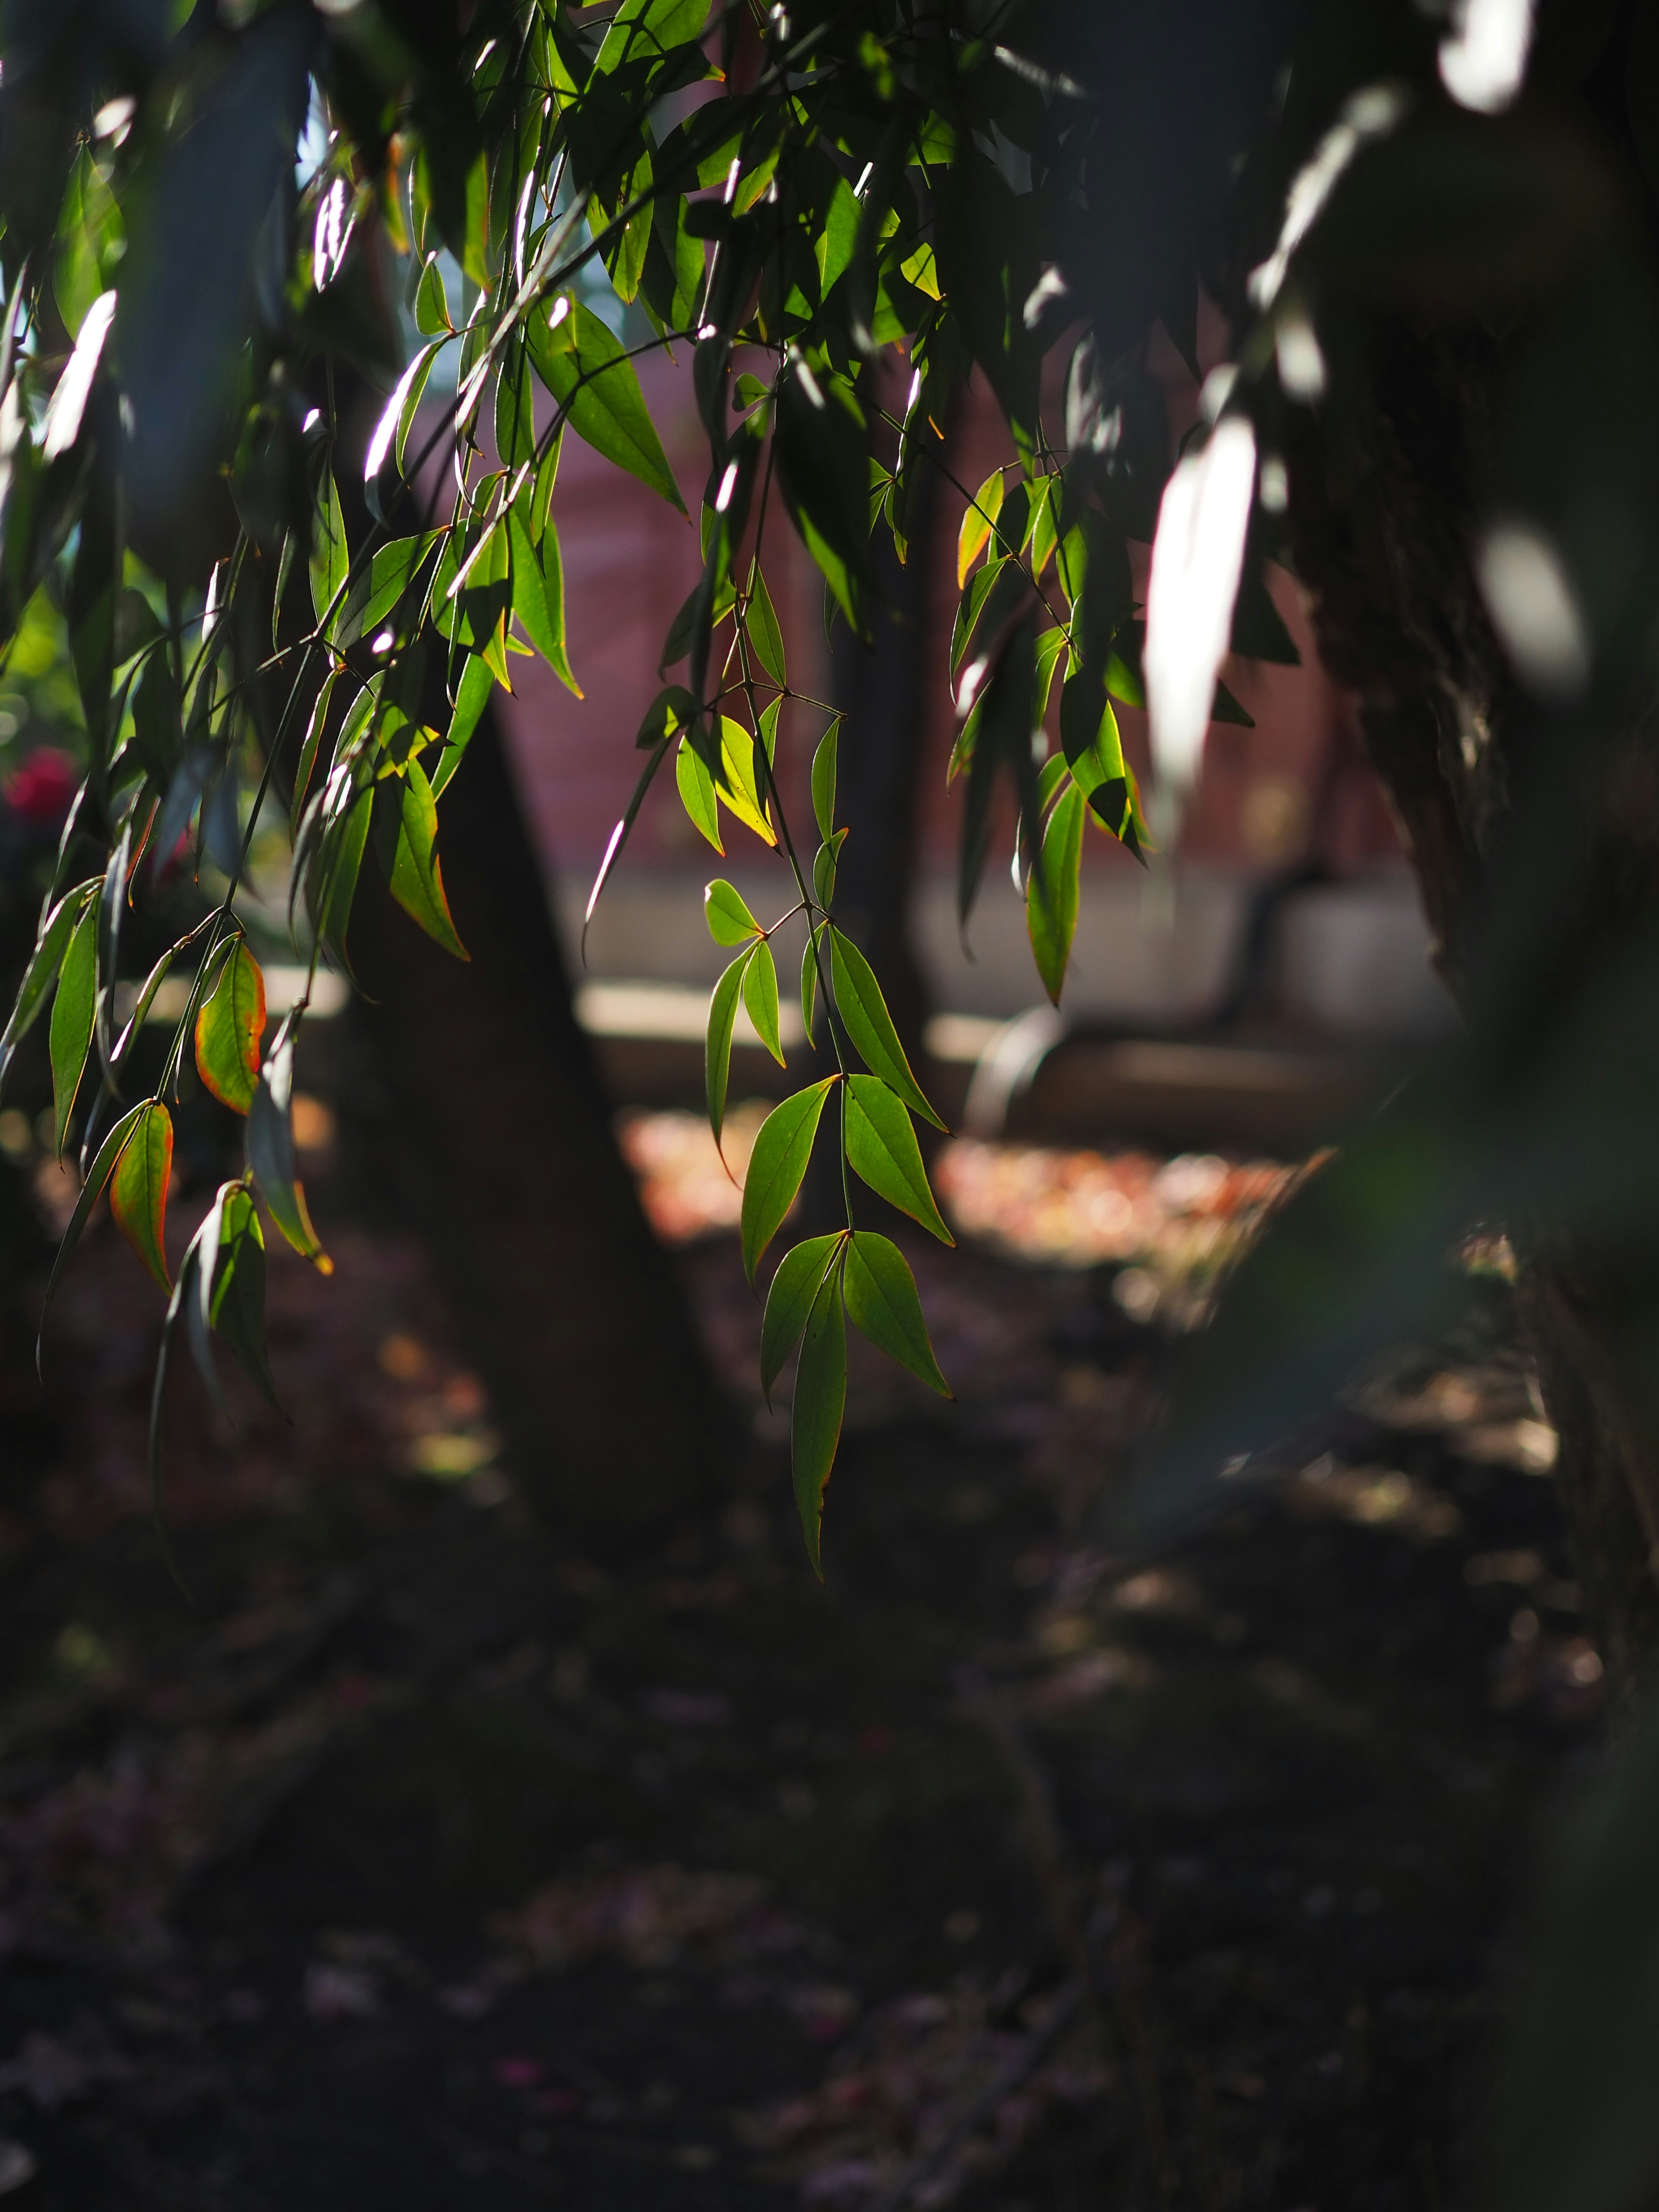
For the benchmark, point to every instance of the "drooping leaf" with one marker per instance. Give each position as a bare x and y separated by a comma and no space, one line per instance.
820,1402
776,1165
585,368
736,783
882,1300
789,1300
1051,893
73,1011
331,559
697,787
339,864
417,876
809,983
717,1043
823,781
315,728
97,1176
765,632
41,973
825,862
865,1016
881,1146
822,471
729,920
270,1150
472,697
760,996
229,1027
538,596
229,1292
138,1189
977,524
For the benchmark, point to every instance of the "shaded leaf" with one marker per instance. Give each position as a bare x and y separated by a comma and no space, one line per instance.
882,1300
538,596
270,1150
470,699
230,1290
73,1012
331,560
881,1146
789,1301
41,973
820,1402
865,1016
822,471
776,1165
823,781
138,1189
809,983
229,1027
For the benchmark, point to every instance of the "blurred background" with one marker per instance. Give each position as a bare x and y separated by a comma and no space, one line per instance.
435,1852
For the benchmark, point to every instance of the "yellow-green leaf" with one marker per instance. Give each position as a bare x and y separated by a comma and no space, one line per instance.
698,792
977,525
882,1299
881,1146
330,562
417,876
138,1189
72,1015
229,1028
777,1166
585,368
727,914
764,631
736,782
1051,896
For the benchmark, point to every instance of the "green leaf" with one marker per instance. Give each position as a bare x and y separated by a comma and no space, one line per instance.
823,781
308,750
340,862
729,920
977,524
823,472
73,1011
583,368
41,973
820,1402
717,1043
271,1152
825,861
470,699
777,1166
647,29
432,317
737,782
538,596
138,1189
230,1289
765,633
698,792
229,1029
881,1299
881,1146
1051,895
1089,740
417,876
809,983
863,1015
331,560
91,1191
794,1285
379,592
760,995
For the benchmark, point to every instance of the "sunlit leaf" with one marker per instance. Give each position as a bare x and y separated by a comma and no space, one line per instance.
229,1026
73,1011
820,1402
977,524
271,1152
765,633
788,1302
538,596
881,1146
1051,895
864,1014
736,782
729,920
776,1165
760,996
417,878
697,787
882,1300
717,1043
138,1189
472,697
331,559
583,368
823,781
825,861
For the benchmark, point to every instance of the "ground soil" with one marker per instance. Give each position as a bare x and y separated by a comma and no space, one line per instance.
422,1860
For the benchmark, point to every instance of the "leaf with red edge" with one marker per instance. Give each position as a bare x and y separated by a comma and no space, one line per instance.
229,1030
138,1189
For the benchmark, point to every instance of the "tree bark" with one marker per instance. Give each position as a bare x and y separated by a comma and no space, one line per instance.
567,1306
1380,536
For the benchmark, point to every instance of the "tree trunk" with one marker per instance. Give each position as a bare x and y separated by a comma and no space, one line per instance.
1381,538
569,1307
